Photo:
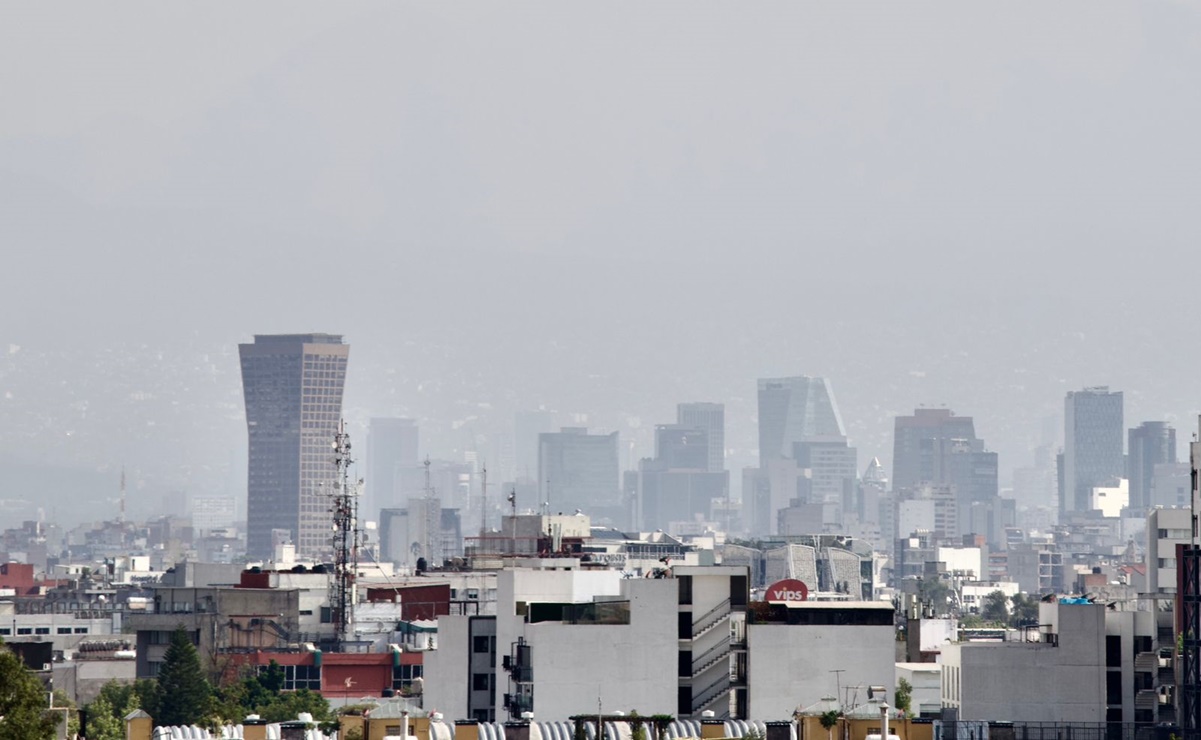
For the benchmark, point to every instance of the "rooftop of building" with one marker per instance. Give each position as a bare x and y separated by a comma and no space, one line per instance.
315,338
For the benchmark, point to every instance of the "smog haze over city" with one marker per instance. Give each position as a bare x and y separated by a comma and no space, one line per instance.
599,210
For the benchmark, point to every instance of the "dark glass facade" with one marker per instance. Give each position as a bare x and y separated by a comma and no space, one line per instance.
293,386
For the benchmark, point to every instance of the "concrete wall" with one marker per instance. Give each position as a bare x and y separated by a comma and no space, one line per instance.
790,665
1033,682
926,680
446,670
629,667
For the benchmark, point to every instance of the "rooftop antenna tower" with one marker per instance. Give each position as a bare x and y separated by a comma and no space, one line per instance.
346,538
121,513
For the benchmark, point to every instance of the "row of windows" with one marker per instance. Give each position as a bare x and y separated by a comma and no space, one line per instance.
1174,534
7,631
299,677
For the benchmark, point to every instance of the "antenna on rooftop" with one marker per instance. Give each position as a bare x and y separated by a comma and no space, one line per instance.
346,538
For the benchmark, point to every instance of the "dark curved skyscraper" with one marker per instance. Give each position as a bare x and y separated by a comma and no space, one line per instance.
293,389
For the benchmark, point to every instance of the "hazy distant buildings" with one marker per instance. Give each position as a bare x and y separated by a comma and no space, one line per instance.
1170,485
711,418
794,410
804,456
937,456
1092,452
211,512
528,425
391,445
1035,486
293,390
677,485
1152,443
922,443
578,470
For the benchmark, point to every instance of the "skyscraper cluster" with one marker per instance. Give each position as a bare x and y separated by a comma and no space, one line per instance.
944,480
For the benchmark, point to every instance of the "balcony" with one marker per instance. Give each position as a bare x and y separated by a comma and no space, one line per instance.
1146,663
1147,699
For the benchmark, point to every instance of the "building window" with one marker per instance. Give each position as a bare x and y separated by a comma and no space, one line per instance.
481,682
5,631
63,631
1113,688
81,630
24,631
152,669
483,644
1113,651
298,676
41,631
403,676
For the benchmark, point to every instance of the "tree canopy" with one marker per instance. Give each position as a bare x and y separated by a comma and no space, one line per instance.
262,694
183,692
903,697
1025,610
23,702
107,712
996,607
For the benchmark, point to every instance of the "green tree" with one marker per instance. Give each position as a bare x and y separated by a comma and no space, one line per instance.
107,712
291,703
1025,610
183,692
102,721
829,720
903,697
62,701
996,607
23,705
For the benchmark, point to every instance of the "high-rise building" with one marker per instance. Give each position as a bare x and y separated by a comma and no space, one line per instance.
1151,443
391,445
578,470
676,486
293,389
682,447
935,448
918,451
794,410
1092,450
710,417
804,456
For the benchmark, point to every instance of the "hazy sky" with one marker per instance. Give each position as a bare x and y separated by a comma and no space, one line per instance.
612,207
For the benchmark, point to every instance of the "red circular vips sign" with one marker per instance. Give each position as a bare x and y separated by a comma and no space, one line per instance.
789,589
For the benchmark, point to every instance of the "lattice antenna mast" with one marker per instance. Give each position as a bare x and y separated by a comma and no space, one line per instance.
346,538
121,514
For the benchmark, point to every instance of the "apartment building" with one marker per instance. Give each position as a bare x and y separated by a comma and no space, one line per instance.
1082,663
684,640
